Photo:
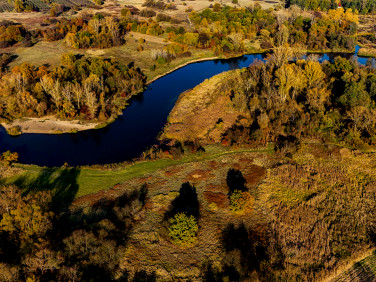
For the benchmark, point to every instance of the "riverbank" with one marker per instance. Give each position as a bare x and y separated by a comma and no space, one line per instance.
48,124
53,125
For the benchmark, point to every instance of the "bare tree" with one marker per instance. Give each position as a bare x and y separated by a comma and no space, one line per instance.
91,102
95,24
46,83
78,94
56,94
44,260
67,92
113,27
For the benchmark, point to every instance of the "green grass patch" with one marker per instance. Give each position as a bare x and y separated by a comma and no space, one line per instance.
86,180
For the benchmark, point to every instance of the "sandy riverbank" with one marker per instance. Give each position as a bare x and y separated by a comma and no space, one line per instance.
49,124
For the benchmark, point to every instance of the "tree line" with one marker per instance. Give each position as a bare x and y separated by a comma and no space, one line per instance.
224,30
227,29
329,101
364,6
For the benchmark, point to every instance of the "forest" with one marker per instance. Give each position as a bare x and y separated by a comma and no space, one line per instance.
364,7
223,30
284,101
87,88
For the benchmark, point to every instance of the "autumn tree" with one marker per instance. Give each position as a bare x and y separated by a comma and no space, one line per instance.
8,158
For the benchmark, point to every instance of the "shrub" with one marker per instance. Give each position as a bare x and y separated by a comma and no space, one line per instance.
14,130
216,7
183,230
147,13
161,61
241,202
163,18
8,158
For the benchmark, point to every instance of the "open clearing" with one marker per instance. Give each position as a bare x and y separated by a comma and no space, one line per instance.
49,53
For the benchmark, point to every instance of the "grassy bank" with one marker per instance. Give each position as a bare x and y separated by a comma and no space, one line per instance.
89,180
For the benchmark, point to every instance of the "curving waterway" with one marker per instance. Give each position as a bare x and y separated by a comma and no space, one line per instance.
131,133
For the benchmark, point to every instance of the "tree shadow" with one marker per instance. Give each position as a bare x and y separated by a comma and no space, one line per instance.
251,245
119,212
286,144
235,180
61,182
143,276
107,224
186,202
229,273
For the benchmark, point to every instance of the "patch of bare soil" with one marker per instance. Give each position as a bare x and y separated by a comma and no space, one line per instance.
49,124
199,174
221,200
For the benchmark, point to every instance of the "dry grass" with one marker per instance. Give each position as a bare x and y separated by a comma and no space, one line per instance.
311,216
49,53
361,271
205,112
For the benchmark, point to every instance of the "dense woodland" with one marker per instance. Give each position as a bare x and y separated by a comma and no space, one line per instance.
228,28
334,101
224,30
364,7
39,241
87,88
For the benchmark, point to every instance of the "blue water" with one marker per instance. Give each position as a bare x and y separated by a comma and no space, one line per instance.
131,133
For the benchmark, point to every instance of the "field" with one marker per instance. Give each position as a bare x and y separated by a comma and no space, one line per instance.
313,209
50,52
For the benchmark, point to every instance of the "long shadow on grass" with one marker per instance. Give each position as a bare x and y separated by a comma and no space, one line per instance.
119,211
247,247
108,222
61,182
186,202
235,180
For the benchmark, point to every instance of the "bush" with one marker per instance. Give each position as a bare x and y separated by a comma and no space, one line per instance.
183,230
147,13
216,7
8,158
163,18
14,130
241,202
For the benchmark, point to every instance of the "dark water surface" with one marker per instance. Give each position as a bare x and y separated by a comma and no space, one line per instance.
131,133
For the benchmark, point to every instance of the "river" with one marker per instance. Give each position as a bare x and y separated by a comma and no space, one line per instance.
131,133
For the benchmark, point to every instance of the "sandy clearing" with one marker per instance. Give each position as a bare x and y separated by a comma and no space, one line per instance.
49,124
150,38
